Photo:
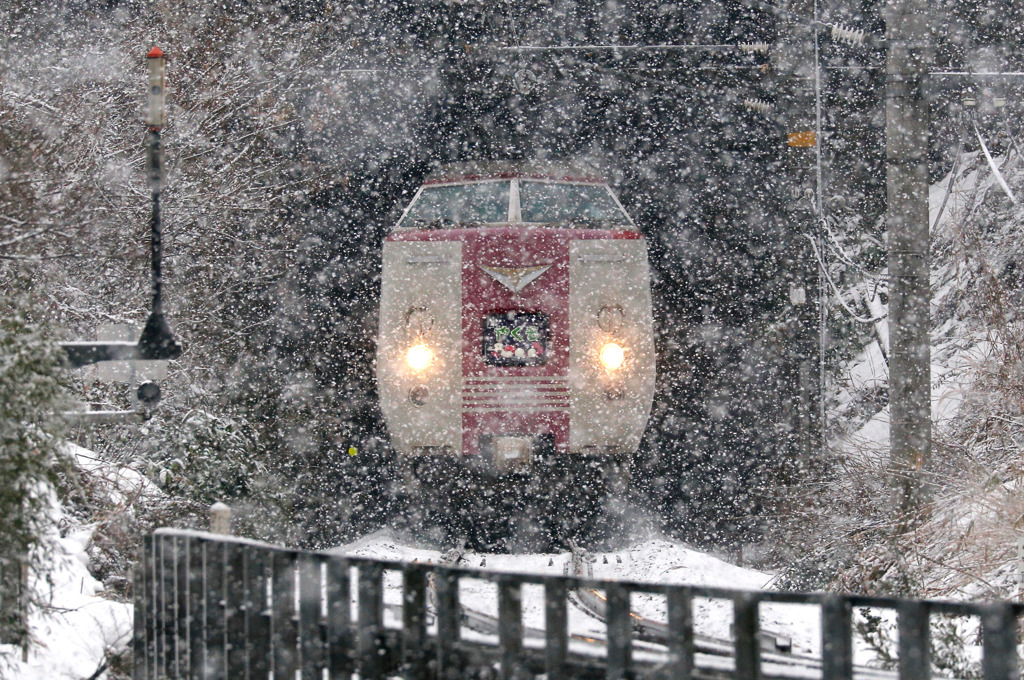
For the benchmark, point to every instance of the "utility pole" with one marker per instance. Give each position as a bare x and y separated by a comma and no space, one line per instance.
795,64
907,114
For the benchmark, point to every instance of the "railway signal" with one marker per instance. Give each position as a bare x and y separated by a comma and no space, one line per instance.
156,342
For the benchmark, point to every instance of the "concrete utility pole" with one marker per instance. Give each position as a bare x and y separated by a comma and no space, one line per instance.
909,55
794,63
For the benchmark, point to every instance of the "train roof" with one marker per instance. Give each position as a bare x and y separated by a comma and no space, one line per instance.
477,170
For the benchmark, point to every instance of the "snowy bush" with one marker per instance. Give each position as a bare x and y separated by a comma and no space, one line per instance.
31,398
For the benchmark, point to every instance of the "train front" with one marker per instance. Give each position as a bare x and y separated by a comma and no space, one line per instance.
515,324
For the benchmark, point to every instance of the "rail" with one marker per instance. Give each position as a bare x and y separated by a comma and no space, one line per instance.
212,606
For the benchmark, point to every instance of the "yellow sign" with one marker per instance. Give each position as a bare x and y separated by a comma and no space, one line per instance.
808,138
352,451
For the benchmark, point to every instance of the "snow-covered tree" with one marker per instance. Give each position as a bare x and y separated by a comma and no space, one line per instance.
32,395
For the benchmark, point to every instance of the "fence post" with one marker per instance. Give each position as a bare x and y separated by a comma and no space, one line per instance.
168,623
999,642
680,633
914,651
139,580
339,618
745,623
556,629
414,624
620,632
149,611
836,638
257,623
284,629
371,620
446,585
234,611
213,608
197,608
309,617
220,519
181,602
510,626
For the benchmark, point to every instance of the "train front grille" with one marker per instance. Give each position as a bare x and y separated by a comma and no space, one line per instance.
515,393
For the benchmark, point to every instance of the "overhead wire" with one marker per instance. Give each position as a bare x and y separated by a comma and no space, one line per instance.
952,180
853,314
992,164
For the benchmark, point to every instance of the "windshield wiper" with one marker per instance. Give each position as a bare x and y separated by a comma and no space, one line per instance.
590,222
434,223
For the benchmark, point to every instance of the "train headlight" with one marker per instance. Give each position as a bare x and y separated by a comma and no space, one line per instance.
419,357
612,355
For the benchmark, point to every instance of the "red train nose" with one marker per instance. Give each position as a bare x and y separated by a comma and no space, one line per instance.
515,342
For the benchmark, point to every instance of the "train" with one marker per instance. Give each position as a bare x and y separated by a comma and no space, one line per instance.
515,342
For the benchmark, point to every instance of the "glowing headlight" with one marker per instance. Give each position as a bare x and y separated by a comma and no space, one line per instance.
419,357
612,356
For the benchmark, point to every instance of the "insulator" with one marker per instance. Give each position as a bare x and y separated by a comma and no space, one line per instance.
850,36
755,47
758,105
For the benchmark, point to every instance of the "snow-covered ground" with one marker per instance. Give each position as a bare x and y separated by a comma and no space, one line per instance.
77,628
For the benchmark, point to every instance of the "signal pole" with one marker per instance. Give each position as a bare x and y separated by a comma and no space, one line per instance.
157,341
907,115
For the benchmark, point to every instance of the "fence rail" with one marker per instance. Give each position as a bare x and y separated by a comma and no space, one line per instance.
211,606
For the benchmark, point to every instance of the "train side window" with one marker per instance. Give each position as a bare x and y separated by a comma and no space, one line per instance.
551,202
439,207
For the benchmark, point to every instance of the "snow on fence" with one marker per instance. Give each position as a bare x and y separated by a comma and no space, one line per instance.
213,606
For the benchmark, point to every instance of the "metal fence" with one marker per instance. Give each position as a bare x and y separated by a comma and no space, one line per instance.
13,602
210,606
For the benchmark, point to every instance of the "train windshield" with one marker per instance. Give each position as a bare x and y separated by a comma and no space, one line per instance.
443,206
548,202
